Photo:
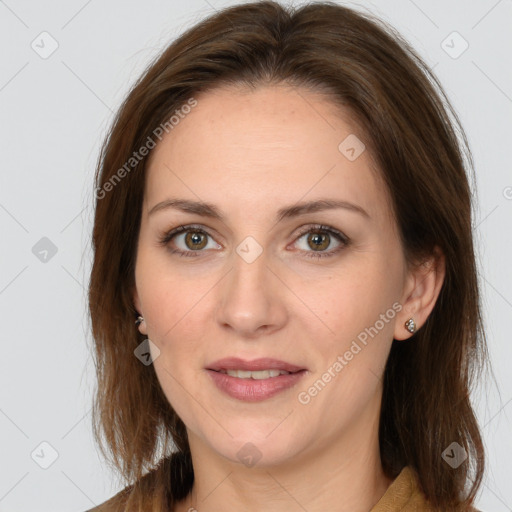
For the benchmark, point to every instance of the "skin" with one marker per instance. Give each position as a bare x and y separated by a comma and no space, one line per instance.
250,153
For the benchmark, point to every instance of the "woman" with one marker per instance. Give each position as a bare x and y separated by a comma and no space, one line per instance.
283,210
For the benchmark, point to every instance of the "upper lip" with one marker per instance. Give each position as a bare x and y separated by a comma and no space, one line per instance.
264,363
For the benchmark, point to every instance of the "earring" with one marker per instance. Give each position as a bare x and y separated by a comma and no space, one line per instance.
139,320
410,325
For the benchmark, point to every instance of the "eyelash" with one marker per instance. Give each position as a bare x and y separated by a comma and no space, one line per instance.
166,237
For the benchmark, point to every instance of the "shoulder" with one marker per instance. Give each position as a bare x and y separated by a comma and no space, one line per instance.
405,495
116,503
150,491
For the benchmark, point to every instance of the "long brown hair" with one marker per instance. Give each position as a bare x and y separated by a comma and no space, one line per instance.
422,154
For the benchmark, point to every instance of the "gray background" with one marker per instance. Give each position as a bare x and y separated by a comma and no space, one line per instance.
54,112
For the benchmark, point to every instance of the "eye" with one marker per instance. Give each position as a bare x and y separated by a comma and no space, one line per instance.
188,239
319,238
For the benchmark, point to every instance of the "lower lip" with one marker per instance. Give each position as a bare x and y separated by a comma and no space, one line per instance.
254,390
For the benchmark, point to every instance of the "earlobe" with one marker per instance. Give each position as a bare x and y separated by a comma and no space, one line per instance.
423,287
139,322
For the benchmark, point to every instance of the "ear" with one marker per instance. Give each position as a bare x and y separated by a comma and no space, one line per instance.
421,290
138,307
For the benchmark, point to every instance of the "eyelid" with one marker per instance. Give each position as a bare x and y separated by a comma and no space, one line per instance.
323,227
166,236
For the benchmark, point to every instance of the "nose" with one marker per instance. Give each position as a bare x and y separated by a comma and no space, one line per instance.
252,299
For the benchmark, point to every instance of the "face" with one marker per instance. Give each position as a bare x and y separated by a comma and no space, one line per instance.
260,275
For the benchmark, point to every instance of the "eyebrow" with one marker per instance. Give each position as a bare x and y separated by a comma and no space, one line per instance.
210,210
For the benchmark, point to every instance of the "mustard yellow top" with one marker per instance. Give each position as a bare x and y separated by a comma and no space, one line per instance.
404,495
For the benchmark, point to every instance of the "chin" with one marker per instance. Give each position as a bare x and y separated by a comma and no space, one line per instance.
255,445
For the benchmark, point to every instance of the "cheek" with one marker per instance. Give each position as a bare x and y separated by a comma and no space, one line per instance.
350,299
167,298
174,316
358,309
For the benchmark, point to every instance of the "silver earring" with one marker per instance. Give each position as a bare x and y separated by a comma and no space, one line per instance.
139,320
410,325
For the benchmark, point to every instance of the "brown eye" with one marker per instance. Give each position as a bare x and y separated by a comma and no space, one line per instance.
195,240
318,241
188,241
321,241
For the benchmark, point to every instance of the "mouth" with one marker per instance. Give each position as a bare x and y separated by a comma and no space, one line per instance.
256,380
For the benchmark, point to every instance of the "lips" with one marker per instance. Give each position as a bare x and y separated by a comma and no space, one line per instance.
265,363
257,387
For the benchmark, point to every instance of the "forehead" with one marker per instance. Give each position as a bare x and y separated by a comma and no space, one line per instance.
271,145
